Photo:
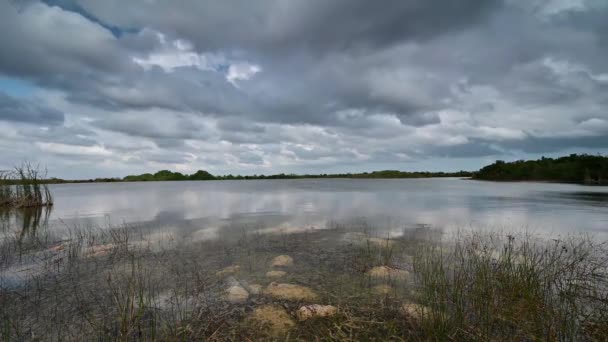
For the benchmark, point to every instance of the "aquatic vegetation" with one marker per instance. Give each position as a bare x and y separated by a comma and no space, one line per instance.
24,187
315,311
516,288
104,282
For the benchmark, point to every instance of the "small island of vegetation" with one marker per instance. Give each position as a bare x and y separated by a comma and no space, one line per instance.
24,187
575,168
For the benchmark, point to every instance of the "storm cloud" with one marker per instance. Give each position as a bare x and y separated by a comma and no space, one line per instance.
108,88
16,110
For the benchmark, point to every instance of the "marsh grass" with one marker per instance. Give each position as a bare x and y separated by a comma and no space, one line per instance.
484,287
112,283
23,187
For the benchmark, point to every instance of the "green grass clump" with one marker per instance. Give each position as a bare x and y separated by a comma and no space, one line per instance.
486,288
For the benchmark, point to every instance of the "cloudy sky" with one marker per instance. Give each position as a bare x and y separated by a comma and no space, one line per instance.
95,88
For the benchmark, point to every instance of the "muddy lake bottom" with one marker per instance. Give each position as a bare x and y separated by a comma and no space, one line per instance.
340,283
332,283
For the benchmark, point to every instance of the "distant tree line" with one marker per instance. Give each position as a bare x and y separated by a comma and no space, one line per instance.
166,175
575,168
583,169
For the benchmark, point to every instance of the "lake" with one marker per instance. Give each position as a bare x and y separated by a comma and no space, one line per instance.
387,205
307,259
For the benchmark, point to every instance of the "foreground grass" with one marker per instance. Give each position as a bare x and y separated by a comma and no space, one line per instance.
121,284
483,287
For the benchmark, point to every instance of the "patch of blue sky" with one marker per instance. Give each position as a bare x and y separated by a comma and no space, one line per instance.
16,87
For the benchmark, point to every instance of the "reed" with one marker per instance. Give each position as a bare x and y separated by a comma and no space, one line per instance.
484,287
24,187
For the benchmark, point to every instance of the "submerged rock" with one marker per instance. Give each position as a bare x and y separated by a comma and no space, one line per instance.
383,290
384,272
316,310
289,292
272,317
227,271
275,274
236,294
282,261
416,312
255,289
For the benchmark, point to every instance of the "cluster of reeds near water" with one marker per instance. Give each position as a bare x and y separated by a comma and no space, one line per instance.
484,287
23,187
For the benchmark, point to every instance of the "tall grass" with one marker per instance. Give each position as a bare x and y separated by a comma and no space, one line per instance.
23,187
517,288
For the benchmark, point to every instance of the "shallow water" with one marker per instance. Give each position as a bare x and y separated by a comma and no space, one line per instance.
292,205
198,257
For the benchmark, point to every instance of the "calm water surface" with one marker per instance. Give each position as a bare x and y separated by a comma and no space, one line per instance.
206,208
193,244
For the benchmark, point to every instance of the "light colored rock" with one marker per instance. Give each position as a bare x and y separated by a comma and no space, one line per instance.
385,272
236,294
272,317
255,289
275,274
282,261
289,292
416,312
227,271
316,310
230,270
383,290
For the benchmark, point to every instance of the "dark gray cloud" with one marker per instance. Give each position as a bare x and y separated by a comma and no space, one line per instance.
71,135
467,150
19,110
298,85
47,44
315,25
556,144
